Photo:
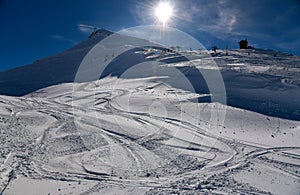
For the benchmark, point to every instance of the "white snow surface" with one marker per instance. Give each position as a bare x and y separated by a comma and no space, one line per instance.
141,137
137,134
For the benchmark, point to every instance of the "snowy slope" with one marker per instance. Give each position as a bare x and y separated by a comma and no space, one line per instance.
258,81
254,79
49,71
99,143
142,129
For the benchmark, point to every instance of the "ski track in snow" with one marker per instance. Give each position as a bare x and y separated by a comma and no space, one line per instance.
98,144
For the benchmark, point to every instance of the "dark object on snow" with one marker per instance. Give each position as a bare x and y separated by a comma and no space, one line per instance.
243,44
214,48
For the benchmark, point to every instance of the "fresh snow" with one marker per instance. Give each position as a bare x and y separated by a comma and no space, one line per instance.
114,147
136,132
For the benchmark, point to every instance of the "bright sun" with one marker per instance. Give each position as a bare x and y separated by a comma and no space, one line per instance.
163,12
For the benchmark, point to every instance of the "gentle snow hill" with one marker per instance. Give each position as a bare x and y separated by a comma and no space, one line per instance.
59,68
53,142
259,81
140,131
255,79
62,67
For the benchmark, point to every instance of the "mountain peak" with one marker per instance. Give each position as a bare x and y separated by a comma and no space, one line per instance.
101,32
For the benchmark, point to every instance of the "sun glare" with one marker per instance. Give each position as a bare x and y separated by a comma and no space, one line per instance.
163,12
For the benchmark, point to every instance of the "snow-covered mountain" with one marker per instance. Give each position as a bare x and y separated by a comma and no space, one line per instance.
140,130
254,79
53,70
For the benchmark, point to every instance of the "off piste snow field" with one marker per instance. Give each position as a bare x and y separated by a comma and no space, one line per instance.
151,122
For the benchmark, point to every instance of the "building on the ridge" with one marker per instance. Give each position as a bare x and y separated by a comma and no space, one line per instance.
243,44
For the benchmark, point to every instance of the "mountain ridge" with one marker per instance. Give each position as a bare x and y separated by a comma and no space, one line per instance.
255,79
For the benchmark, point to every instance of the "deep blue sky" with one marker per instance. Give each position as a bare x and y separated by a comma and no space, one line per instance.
34,29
